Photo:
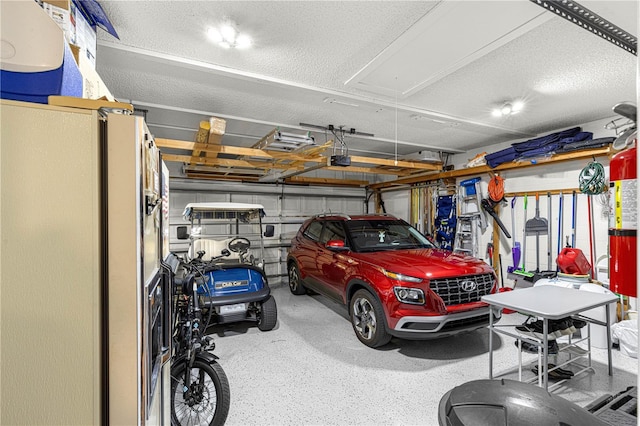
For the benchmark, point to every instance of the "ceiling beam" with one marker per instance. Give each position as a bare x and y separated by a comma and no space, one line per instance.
325,181
219,177
371,170
225,162
399,163
234,150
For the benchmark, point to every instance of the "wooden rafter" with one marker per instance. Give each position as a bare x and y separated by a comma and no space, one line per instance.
369,170
325,181
233,150
225,162
302,161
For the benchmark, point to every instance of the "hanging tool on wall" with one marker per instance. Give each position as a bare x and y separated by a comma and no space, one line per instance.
488,206
537,226
549,233
522,271
560,226
489,254
496,196
574,202
515,249
592,182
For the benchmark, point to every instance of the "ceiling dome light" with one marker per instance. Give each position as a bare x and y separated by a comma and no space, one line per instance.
517,107
243,41
227,36
214,35
228,33
508,108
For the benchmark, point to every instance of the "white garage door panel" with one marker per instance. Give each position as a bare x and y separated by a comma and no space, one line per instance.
286,212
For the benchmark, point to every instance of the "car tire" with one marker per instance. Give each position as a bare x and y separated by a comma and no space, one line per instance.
367,319
295,282
268,314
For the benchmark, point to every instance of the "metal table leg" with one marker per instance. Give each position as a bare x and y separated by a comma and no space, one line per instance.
608,314
491,342
545,353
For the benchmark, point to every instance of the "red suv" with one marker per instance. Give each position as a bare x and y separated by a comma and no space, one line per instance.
393,280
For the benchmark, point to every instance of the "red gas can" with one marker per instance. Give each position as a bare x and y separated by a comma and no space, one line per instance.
573,261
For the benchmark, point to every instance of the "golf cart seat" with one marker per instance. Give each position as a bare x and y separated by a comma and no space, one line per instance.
213,248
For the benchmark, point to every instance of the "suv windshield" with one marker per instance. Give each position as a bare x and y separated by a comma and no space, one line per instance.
378,235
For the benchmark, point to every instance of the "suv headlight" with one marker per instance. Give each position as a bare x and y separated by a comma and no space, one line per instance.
401,277
414,296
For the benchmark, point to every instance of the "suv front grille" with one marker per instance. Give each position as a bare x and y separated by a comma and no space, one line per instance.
452,292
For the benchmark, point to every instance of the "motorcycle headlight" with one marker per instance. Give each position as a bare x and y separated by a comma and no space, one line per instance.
410,295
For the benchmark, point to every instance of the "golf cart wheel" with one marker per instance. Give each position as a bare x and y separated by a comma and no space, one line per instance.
295,282
268,314
367,319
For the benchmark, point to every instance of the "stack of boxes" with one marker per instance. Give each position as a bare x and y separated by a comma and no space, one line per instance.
79,28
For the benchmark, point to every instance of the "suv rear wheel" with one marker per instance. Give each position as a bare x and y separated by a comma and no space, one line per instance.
367,319
295,283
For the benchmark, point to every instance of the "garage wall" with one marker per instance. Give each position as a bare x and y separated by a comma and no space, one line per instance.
532,180
286,208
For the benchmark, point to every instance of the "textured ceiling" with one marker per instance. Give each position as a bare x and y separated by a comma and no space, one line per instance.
306,51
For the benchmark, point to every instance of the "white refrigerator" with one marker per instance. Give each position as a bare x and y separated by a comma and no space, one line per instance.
84,308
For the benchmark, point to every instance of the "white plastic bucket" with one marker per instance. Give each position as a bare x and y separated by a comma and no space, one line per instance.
598,332
554,281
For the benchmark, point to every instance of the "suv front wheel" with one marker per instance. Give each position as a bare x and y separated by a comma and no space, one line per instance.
367,319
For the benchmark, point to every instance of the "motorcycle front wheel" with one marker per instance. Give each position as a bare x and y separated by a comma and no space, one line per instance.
206,401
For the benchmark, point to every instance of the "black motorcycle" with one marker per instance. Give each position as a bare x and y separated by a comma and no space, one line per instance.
200,393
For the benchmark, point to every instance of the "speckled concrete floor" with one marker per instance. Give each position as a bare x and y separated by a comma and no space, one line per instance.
311,369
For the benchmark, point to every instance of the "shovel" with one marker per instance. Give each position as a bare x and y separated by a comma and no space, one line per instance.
537,226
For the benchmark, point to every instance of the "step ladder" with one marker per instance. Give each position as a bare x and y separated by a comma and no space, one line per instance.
470,220
466,239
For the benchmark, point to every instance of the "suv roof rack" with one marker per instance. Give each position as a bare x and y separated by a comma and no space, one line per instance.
333,214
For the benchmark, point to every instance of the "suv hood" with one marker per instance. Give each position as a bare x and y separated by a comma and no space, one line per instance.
426,263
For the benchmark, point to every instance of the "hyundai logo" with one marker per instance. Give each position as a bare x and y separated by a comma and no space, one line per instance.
468,285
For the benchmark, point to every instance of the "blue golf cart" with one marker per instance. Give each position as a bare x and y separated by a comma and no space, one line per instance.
228,238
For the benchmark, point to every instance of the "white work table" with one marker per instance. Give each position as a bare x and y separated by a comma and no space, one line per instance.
548,302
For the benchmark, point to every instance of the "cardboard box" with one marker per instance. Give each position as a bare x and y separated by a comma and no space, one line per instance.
86,38
61,13
92,85
76,26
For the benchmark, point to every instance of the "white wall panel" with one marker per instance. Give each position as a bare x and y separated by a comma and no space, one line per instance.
397,203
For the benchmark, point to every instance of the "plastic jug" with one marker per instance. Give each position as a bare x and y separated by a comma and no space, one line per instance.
572,261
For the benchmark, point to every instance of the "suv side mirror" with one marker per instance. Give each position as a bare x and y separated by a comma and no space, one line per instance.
336,245
182,233
269,231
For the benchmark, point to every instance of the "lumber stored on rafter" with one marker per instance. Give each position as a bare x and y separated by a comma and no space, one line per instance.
210,132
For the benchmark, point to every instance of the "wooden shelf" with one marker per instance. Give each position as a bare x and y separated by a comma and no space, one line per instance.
473,171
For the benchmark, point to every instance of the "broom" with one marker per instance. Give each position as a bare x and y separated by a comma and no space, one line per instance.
522,271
